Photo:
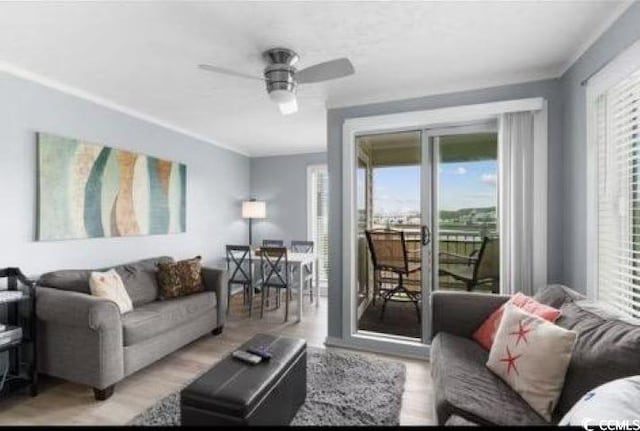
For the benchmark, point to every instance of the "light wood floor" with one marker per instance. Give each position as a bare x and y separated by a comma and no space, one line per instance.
64,403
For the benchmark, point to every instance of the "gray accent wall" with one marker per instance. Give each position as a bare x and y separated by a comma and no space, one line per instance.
549,89
217,181
623,33
281,181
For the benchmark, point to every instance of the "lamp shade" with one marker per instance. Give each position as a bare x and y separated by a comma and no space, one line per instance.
254,209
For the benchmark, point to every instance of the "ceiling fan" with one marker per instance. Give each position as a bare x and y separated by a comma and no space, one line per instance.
282,78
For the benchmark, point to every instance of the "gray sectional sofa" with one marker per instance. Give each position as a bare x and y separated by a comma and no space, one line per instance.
466,392
84,339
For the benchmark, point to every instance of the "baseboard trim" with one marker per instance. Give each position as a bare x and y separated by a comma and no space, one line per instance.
373,345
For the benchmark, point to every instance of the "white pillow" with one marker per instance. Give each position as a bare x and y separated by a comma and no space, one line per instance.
532,355
109,285
618,400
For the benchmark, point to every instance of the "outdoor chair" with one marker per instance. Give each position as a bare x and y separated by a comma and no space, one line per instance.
388,250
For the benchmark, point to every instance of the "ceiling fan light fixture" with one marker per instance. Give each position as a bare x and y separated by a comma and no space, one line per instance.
285,99
289,107
282,96
281,77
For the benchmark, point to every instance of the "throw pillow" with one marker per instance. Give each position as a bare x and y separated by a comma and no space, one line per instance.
190,272
486,332
616,400
109,285
180,278
532,356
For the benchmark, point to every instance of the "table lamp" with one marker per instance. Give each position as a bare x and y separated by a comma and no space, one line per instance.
253,209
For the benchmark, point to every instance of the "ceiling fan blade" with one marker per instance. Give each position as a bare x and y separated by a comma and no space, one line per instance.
230,72
325,71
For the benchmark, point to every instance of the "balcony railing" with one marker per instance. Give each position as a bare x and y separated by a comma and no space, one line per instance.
457,241
462,242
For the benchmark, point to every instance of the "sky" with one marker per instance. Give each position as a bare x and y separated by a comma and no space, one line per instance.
461,185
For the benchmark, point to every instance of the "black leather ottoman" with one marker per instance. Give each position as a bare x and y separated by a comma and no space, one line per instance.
235,393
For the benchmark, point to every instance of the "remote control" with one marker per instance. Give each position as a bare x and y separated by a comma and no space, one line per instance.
262,351
247,357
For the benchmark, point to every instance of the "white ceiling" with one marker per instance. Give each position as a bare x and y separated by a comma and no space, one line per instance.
141,56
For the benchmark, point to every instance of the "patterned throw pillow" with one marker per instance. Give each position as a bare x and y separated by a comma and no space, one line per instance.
190,273
109,285
532,355
180,278
618,399
486,332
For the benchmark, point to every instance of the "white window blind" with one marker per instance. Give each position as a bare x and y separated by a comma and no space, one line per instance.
319,216
616,113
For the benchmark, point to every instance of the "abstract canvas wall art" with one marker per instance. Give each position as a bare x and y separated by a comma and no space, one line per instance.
88,190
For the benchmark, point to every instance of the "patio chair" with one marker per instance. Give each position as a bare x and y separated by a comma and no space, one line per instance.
482,266
389,254
298,246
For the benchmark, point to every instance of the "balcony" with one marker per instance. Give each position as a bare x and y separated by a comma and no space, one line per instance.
460,242
396,180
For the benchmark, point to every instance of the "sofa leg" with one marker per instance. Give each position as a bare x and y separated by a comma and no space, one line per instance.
103,394
218,330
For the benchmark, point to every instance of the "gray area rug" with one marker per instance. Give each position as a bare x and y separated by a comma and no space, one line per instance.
342,389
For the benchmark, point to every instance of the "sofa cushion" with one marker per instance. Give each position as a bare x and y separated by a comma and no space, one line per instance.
555,295
75,280
607,348
139,279
464,386
158,317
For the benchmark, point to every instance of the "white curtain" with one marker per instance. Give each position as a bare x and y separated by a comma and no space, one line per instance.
516,201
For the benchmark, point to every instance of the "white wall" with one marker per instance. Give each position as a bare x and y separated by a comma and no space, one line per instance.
622,34
217,181
281,181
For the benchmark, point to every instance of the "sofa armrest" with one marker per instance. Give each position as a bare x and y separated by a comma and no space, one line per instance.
215,280
79,337
460,313
76,309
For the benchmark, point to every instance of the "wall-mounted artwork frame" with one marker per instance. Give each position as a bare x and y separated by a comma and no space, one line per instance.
88,190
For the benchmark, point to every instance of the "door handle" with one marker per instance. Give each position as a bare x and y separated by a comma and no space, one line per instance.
425,235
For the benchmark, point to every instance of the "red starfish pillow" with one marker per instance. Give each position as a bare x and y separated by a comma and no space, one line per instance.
486,332
532,356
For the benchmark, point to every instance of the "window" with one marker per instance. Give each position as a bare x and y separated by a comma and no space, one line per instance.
318,216
615,134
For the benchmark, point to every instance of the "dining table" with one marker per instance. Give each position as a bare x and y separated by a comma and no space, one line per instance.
297,261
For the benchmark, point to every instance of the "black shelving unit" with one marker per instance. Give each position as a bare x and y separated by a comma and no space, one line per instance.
23,370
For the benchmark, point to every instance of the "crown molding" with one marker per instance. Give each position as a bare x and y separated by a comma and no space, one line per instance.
406,94
109,104
598,31
292,152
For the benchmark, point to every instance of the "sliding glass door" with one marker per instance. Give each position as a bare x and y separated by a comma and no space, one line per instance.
427,219
466,208
391,270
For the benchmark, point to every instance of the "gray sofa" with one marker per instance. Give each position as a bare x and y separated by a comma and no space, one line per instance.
84,339
607,348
